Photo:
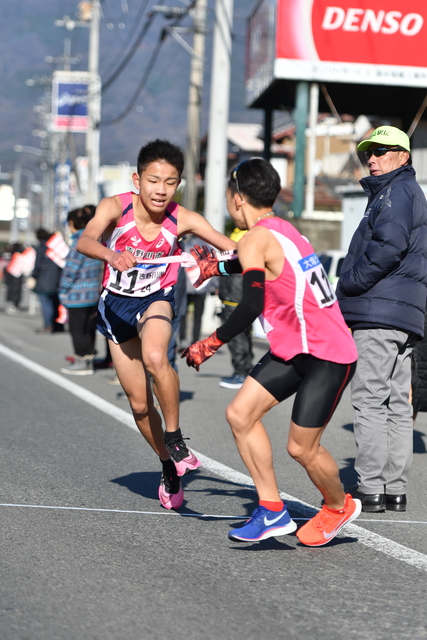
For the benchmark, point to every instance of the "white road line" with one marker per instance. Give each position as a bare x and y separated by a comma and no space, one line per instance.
83,394
219,516
145,513
369,539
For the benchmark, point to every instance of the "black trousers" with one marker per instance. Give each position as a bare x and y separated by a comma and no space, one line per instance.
82,326
240,347
198,299
14,288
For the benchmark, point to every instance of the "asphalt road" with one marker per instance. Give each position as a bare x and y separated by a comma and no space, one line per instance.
88,553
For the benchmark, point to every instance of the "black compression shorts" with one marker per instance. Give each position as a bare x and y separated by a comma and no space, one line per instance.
318,384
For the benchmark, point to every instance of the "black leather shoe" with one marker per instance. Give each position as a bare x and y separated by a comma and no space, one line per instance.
371,502
396,503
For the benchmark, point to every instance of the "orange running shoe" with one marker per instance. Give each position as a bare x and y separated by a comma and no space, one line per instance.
328,522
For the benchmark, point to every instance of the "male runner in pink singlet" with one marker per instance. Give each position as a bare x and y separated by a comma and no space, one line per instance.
312,354
136,307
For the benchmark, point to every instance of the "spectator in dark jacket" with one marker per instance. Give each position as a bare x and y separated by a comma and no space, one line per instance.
382,295
79,290
47,274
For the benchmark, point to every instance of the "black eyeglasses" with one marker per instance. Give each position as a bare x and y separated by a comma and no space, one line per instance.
381,151
234,174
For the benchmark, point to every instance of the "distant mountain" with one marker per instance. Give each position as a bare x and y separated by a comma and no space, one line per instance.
28,35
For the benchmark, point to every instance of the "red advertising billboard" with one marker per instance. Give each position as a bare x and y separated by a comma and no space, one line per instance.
379,42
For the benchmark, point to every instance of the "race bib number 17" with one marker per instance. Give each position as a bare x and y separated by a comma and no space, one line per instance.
318,280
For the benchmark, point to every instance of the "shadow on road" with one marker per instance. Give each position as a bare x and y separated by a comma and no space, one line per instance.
271,544
146,484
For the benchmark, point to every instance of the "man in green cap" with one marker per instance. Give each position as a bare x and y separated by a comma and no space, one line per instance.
382,294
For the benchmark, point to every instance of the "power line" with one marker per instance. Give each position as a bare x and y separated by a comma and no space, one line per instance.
142,83
132,51
136,22
149,67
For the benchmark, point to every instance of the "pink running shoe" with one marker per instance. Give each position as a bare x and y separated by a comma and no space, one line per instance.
171,495
183,459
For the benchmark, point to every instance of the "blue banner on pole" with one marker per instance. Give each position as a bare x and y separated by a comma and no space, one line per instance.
69,101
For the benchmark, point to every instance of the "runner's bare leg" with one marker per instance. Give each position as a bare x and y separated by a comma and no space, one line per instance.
244,415
127,362
155,329
304,446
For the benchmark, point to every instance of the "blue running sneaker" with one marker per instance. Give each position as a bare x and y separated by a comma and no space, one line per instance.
264,524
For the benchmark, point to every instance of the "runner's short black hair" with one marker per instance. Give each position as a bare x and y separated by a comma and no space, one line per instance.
257,180
80,217
158,150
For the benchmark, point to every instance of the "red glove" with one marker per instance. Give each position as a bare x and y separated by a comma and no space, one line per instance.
201,351
206,261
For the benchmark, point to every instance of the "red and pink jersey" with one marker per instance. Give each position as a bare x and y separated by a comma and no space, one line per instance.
301,312
143,279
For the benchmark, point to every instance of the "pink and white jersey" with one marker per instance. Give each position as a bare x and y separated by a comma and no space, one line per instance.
301,312
143,279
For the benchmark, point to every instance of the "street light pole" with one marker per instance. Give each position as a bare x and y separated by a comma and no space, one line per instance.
31,186
46,181
94,105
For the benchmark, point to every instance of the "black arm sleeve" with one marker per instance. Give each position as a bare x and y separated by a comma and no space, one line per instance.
230,267
248,309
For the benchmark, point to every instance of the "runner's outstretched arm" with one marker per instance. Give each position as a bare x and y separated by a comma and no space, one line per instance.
251,250
192,222
107,214
210,265
242,317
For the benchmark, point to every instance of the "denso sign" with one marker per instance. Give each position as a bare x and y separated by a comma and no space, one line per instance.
368,20
366,41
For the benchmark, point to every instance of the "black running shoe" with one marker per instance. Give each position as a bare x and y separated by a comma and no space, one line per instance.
184,459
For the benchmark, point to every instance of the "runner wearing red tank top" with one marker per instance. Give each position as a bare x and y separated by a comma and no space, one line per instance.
137,304
312,355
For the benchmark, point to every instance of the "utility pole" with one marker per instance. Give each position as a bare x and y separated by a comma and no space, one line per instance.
311,174
216,168
14,231
301,112
65,60
194,105
58,142
90,15
93,105
192,151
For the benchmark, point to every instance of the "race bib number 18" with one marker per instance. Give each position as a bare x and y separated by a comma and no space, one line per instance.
318,280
